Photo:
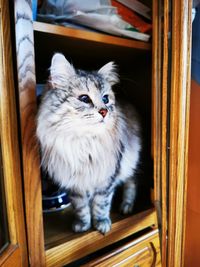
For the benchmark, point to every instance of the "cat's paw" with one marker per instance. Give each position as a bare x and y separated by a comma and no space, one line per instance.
103,226
126,208
79,226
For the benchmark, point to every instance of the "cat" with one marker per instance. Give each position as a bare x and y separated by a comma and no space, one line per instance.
89,143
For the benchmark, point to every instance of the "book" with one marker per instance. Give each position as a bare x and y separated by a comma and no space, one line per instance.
132,17
138,7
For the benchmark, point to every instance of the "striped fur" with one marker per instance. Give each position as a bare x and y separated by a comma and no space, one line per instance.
84,151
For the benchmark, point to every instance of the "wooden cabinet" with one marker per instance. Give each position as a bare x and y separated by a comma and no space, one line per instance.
13,246
155,78
143,251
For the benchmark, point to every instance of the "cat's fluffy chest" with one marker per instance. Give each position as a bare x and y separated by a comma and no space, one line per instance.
87,162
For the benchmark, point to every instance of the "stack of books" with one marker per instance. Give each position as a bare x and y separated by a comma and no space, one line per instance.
135,13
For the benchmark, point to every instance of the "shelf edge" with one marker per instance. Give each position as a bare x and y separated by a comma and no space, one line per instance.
86,244
90,36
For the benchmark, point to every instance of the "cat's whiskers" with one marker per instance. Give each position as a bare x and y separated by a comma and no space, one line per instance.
88,115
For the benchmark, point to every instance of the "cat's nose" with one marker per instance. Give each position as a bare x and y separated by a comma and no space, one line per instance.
103,112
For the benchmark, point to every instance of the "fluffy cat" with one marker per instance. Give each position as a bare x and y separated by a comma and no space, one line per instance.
89,142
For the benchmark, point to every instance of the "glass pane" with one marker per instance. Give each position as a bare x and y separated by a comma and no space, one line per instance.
4,238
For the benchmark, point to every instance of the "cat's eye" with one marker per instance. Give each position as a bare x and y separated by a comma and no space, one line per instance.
105,99
85,99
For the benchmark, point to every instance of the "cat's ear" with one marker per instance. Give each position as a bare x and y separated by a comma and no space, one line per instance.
61,70
109,73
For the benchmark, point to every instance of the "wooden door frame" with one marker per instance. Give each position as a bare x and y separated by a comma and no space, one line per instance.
171,103
173,217
179,128
25,62
16,252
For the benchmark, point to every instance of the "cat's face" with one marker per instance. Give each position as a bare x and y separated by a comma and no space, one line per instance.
86,100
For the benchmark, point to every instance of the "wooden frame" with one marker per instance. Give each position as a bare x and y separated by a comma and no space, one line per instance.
164,129
16,252
179,126
30,151
160,105
171,123
170,120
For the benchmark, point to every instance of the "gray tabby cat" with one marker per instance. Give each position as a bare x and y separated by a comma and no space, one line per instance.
89,143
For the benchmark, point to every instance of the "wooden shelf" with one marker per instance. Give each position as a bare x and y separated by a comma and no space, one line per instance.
88,50
89,36
64,246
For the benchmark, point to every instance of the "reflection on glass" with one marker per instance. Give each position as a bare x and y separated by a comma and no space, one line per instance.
4,238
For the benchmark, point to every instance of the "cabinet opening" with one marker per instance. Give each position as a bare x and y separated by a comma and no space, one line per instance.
134,67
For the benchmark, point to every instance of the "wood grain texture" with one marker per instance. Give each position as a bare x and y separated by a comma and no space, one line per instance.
179,125
30,152
164,129
10,257
10,148
83,245
143,251
156,105
90,36
159,115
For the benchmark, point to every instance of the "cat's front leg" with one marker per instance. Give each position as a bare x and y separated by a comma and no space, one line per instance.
101,210
80,203
129,195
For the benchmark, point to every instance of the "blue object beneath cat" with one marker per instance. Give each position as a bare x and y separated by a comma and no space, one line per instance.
57,202
90,143
53,198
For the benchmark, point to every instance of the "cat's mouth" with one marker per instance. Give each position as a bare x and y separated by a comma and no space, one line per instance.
103,120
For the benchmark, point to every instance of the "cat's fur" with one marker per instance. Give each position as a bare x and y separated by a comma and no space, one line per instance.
83,151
